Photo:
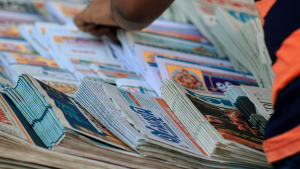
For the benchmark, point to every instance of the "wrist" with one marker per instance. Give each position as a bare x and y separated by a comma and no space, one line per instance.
124,22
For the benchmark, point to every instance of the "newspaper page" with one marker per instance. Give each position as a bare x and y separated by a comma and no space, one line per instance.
261,98
110,74
4,80
26,33
244,6
154,78
15,64
82,68
46,73
176,29
9,122
40,29
136,86
77,46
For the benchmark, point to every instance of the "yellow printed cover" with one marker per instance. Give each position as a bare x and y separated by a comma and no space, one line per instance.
150,56
34,60
189,77
9,31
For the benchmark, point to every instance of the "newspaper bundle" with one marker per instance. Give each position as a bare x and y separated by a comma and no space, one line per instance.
56,121
255,103
148,125
234,27
130,125
215,124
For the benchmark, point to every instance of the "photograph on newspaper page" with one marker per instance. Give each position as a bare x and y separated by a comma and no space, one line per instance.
230,123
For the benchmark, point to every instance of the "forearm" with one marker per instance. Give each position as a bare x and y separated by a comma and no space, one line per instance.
134,15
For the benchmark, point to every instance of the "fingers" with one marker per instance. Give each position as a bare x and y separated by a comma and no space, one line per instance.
89,27
112,34
99,30
80,21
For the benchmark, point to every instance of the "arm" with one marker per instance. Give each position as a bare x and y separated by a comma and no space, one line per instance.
137,14
101,15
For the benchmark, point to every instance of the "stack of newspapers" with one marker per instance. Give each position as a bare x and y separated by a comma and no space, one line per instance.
56,121
159,58
184,92
162,128
255,103
234,28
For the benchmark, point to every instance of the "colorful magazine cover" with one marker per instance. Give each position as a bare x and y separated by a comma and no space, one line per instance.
201,77
230,123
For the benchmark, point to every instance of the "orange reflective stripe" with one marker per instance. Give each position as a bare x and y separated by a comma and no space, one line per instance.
264,7
287,65
283,145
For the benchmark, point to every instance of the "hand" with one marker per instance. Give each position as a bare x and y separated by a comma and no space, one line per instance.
97,18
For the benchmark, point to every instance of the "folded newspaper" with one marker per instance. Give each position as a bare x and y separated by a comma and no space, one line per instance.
167,129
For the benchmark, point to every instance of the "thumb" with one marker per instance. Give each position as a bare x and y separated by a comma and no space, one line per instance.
81,21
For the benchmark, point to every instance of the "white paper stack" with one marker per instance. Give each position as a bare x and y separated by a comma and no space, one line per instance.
216,125
238,33
202,14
